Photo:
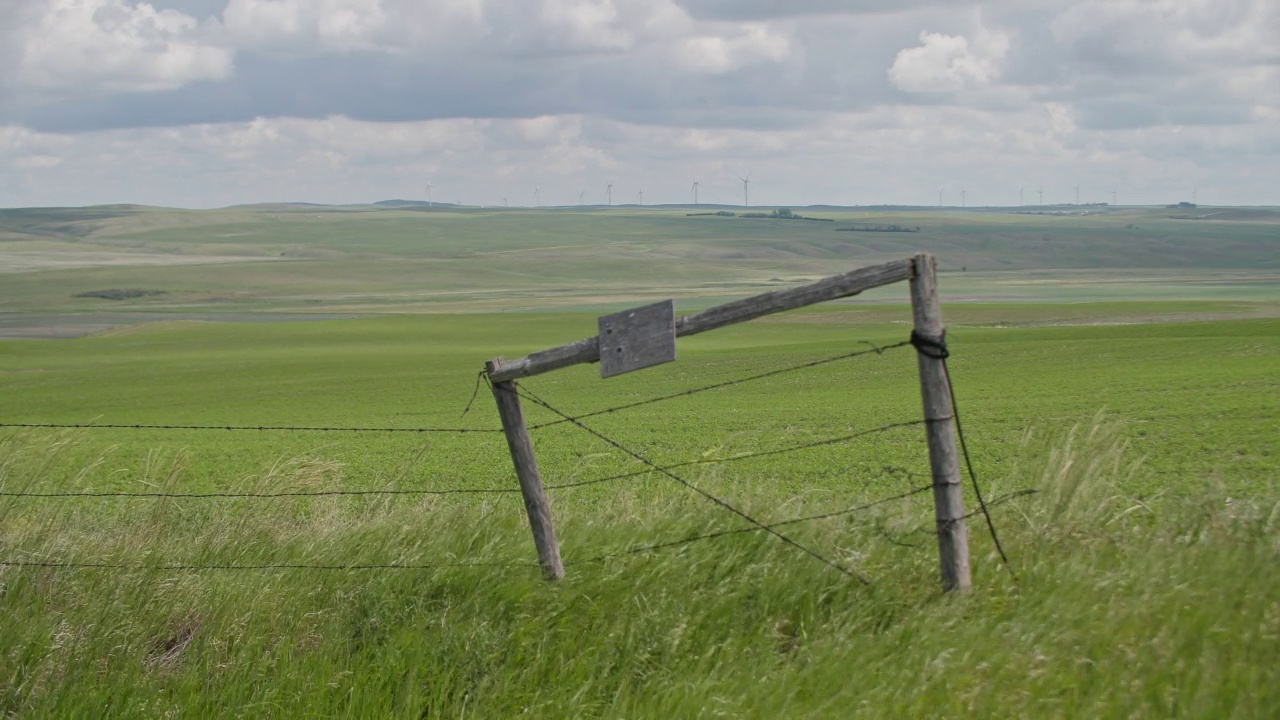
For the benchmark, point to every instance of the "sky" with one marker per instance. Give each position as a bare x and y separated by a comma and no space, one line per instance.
207,103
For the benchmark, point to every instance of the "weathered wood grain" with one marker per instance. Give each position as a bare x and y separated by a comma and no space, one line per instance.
831,288
935,395
638,338
526,464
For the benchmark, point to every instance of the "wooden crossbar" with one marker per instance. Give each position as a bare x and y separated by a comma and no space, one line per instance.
830,288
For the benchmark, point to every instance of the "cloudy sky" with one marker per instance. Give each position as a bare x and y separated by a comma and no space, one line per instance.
203,103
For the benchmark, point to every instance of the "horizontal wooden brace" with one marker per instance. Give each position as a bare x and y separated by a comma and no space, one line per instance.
831,288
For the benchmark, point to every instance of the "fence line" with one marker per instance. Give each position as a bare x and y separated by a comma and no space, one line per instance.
469,491
999,500
740,531
267,566
191,567
878,350
716,500
252,428
874,349
935,349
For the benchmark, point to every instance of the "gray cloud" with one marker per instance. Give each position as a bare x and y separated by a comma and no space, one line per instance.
774,9
596,86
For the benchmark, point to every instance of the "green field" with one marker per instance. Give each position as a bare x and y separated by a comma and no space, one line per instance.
365,260
1133,383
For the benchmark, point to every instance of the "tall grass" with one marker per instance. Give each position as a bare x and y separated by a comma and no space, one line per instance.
1121,607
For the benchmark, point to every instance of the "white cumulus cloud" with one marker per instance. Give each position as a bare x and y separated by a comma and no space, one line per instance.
949,63
100,46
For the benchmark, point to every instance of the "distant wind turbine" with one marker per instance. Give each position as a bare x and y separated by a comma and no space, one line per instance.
537,195
642,197
695,192
746,190
1024,187
1113,197
429,187
1040,192
609,190
1195,195
964,202
1077,189
581,195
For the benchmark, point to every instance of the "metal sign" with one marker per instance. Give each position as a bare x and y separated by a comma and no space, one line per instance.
638,338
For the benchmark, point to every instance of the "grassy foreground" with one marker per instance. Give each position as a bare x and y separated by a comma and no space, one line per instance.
1146,566
1121,608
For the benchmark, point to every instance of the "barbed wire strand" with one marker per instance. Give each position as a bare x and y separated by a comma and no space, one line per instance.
254,428
266,566
461,491
712,498
876,349
744,456
457,491
994,502
770,526
284,494
936,348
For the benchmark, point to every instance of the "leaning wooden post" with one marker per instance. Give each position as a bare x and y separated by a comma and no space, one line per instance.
935,393
535,500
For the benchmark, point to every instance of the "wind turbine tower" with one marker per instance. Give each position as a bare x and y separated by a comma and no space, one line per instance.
695,192
1113,197
1024,187
746,190
964,202
1040,192
429,186
609,190
1077,189
641,198
537,195
581,195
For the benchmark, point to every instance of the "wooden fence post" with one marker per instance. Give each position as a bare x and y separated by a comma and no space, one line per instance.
535,499
935,394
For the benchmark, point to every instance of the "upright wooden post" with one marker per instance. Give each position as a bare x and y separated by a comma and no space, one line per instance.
535,500
935,394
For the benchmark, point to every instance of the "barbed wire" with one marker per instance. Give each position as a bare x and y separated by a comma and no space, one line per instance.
185,567
770,526
283,494
712,498
464,491
878,350
248,428
936,348
195,567
744,456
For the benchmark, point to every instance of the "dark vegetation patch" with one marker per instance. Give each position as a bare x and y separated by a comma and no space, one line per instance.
119,294
881,228
782,214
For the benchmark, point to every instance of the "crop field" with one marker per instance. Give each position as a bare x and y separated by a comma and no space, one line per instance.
1143,577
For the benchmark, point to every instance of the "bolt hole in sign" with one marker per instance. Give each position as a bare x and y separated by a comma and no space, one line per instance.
637,338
